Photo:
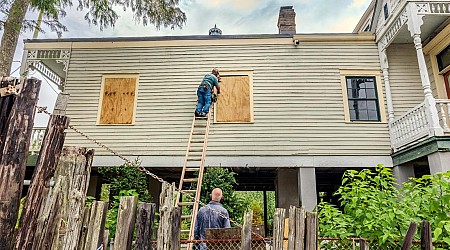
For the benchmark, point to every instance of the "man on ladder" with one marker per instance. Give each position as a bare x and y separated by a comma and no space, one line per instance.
204,92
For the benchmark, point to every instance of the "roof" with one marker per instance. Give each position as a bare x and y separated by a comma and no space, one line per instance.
200,37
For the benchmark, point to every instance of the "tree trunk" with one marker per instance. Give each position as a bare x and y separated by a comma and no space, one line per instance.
14,158
11,32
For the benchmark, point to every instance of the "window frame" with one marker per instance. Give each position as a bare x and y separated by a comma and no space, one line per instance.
243,72
443,68
376,74
432,49
102,89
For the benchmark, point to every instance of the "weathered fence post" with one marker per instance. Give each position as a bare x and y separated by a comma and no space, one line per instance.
6,104
407,242
144,226
292,227
363,245
246,235
426,242
175,228
105,239
13,158
96,225
278,228
84,228
311,231
126,217
166,204
45,168
60,219
300,228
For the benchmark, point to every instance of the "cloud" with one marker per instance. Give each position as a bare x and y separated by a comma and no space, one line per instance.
360,3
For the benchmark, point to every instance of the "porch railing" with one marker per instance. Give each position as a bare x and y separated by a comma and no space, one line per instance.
415,124
37,136
410,127
443,109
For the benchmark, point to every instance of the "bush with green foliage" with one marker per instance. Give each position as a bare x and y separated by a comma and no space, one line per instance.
224,179
124,180
126,177
372,207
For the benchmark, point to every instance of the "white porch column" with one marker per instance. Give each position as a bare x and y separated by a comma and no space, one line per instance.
414,23
403,172
387,86
439,162
307,188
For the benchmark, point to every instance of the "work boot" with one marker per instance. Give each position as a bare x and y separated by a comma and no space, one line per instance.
203,114
197,114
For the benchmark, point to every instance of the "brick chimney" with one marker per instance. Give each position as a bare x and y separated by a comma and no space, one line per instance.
286,20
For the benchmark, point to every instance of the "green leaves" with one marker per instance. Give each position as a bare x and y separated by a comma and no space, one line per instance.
372,207
125,180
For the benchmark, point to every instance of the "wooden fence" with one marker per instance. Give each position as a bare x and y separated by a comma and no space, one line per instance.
56,217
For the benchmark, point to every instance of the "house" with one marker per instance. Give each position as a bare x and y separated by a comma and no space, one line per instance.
297,109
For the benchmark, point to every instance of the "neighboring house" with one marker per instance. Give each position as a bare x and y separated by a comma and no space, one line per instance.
296,110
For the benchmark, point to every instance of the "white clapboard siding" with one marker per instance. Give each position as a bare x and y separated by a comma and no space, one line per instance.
297,99
406,85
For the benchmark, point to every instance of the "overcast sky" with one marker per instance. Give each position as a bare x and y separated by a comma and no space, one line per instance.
231,16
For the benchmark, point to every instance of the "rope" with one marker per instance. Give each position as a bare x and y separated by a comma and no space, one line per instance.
43,109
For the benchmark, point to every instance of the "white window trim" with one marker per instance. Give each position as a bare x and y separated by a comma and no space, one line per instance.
432,49
362,72
100,103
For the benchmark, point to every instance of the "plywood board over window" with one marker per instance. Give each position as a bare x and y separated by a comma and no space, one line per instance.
118,99
235,103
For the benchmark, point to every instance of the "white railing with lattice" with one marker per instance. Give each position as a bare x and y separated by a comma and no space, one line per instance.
37,136
410,127
443,108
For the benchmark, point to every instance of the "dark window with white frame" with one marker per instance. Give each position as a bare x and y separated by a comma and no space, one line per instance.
386,11
362,98
443,59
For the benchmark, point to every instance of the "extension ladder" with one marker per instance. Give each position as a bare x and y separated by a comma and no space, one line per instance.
194,163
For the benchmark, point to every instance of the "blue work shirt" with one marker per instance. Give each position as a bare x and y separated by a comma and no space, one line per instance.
210,80
209,219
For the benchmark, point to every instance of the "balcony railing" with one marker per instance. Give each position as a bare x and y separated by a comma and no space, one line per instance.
443,109
415,124
410,127
37,136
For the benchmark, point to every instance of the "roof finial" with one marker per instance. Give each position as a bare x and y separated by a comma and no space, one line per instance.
215,31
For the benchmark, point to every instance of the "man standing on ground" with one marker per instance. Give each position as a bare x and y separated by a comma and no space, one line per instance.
205,90
206,218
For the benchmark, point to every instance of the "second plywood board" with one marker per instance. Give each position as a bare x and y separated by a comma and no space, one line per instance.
233,104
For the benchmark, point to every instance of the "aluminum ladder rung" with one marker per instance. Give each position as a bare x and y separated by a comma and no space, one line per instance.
190,180
190,191
186,203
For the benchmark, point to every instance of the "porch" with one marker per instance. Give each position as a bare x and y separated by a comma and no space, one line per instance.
413,42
